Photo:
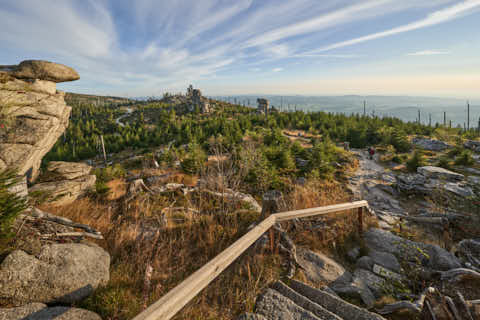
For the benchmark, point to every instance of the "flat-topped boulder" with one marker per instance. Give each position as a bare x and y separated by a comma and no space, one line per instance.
440,173
41,70
60,273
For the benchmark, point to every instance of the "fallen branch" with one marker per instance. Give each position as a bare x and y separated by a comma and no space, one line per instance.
37,213
415,307
459,273
464,305
453,308
179,209
73,234
430,310
432,220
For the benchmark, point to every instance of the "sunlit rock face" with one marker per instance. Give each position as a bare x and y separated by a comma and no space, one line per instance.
33,114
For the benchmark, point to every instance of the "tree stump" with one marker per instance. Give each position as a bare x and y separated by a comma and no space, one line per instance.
272,202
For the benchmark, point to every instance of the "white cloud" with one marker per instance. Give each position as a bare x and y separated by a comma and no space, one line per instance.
143,46
316,24
434,18
428,53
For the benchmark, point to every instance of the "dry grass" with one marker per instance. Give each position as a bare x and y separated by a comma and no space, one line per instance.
118,188
135,239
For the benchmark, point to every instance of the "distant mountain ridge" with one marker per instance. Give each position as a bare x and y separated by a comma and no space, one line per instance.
403,107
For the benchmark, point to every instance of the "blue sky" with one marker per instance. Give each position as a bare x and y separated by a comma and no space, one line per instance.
232,47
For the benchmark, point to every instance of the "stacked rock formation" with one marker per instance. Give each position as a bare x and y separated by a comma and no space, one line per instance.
33,114
263,105
197,101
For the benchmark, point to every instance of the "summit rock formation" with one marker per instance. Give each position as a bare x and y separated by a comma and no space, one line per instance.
33,113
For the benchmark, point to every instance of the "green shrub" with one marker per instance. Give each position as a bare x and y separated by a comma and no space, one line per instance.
465,158
444,162
455,151
109,173
11,205
399,158
194,160
101,188
400,142
417,160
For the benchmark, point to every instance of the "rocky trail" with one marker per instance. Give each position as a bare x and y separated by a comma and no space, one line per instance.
422,280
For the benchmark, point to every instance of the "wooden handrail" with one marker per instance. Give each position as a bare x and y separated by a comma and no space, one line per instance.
178,297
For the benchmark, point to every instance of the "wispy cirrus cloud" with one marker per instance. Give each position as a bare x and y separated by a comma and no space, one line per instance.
146,46
428,53
432,19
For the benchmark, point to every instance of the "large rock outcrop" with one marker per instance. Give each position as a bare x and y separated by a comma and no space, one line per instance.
429,255
33,114
61,273
65,182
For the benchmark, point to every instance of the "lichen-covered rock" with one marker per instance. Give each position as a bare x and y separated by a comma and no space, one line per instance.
39,311
68,170
386,260
375,283
33,112
440,173
429,255
65,191
61,273
431,144
459,189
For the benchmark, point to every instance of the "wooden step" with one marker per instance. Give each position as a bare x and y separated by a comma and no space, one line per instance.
333,304
304,302
274,306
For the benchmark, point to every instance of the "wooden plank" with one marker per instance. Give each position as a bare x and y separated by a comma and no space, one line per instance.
177,298
289,215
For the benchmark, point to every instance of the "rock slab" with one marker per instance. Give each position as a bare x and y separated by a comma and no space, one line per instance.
61,273
42,70
429,255
430,144
321,269
440,173
39,311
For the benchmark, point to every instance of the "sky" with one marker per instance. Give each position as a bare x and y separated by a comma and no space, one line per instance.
232,47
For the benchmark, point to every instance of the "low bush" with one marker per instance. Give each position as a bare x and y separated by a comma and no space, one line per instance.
417,160
444,162
11,205
465,158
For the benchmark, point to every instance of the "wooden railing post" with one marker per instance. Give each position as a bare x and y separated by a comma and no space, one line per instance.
272,202
360,220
